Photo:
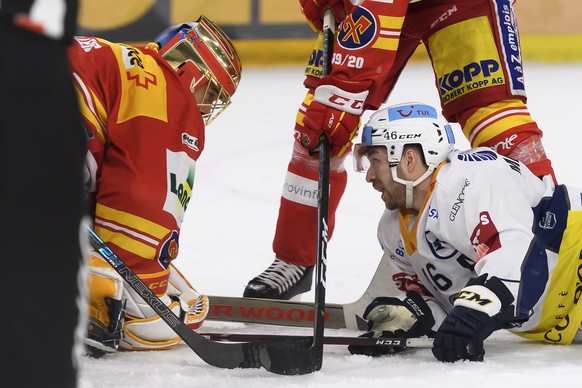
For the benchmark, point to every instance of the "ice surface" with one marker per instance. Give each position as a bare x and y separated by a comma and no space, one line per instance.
227,235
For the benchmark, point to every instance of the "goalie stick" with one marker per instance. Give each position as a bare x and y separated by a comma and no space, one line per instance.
286,357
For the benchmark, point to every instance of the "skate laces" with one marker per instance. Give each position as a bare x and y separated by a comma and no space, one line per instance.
282,275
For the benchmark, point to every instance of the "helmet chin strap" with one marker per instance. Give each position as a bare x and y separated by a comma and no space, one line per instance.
410,184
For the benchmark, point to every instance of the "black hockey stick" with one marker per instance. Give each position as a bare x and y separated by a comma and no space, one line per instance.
315,351
393,343
286,357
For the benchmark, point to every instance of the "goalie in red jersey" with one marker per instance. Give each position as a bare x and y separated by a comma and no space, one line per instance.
145,109
475,53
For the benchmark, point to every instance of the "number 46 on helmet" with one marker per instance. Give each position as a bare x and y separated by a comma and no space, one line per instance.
403,124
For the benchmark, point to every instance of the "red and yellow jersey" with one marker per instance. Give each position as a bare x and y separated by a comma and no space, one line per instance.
145,134
366,46
473,47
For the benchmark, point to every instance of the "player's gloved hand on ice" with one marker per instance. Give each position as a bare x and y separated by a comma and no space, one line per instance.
390,317
314,9
480,309
335,112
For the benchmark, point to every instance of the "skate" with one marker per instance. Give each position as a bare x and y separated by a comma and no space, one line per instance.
281,280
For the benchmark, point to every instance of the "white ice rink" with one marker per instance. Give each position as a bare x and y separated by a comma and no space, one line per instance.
226,240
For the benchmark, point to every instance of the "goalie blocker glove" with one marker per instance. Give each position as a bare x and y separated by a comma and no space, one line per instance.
481,308
390,317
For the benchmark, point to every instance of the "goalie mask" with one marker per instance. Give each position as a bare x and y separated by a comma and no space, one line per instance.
406,124
202,54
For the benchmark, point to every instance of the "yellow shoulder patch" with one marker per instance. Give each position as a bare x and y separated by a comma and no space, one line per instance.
143,85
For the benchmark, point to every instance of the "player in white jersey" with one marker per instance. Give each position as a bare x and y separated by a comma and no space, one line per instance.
480,243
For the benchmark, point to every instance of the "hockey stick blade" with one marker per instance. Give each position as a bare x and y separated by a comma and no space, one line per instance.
277,312
300,314
285,357
394,343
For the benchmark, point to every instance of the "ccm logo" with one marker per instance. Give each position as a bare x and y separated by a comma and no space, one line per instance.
344,101
473,297
158,285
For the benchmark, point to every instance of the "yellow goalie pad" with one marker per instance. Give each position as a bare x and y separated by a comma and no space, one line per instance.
102,282
143,328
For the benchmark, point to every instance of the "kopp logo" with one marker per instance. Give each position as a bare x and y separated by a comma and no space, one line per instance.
357,30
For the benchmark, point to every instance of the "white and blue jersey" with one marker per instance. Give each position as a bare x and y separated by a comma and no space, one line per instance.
488,214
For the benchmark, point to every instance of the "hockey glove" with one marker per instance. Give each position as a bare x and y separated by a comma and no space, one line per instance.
313,11
334,112
194,311
480,309
390,317
194,306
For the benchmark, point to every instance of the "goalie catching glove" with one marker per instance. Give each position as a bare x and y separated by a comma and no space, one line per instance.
334,112
481,308
391,317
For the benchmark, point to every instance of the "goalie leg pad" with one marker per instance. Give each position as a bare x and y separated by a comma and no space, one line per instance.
153,333
150,333
119,317
106,308
145,330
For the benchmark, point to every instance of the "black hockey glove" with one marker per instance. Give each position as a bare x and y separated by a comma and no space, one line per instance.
390,317
480,309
